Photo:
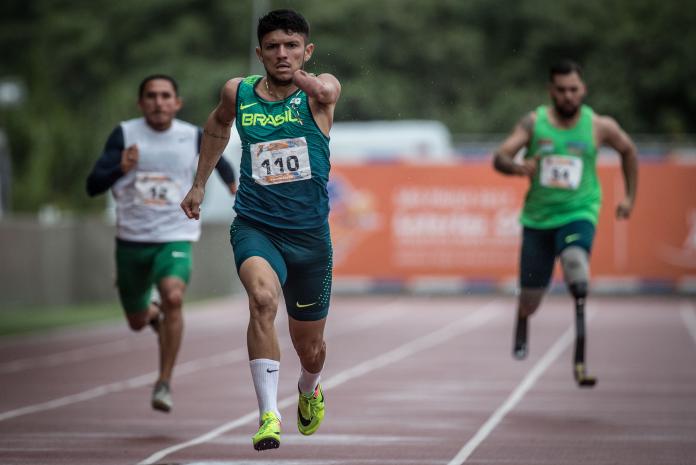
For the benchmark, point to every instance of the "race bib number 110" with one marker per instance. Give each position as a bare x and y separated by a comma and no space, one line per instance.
280,161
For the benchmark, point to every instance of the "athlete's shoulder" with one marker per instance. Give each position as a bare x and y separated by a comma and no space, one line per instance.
599,120
133,129
181,128
133,123
605,126
540,111
230,89
182,125
235,85
249,80
528,121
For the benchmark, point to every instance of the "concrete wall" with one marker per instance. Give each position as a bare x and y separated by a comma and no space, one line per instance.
72,261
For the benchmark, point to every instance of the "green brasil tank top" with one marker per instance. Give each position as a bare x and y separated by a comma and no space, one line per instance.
565,187
285,161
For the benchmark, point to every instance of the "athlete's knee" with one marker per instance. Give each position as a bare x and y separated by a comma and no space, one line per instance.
137,321
263,302
311,348
263,299
173,298
575,262
529,301
576,270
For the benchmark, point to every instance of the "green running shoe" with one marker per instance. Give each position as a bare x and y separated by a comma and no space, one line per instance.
268,436
310,411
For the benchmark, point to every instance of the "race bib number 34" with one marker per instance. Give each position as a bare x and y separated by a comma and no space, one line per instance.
155,189
561,171
279,161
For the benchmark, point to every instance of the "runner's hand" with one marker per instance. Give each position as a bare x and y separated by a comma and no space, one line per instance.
129,158
623,210
192,203
529,166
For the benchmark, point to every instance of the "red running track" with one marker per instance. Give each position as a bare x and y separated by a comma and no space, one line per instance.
408,380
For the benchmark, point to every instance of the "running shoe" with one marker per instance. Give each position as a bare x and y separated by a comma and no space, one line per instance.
520,347
268,436
310,411
162,397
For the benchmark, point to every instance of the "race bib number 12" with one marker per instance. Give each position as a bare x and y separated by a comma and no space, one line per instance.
561,171
280,161
156,189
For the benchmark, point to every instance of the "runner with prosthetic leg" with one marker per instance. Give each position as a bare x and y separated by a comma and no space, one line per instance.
575,262
561,208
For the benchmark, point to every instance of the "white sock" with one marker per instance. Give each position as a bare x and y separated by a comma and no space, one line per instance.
264,372
308,381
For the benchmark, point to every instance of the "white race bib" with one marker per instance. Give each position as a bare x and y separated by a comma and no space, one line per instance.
154,189
279,161
561,171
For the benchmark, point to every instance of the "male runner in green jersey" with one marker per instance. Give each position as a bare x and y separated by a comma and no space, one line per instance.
280,237
563,201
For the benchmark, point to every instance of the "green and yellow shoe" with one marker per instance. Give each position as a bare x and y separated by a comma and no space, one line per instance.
310,411
268,436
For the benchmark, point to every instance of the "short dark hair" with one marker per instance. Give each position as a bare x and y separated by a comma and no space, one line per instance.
564,67
287,20
152,77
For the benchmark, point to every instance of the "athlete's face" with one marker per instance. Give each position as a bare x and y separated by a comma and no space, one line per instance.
159,104
567,93
282,53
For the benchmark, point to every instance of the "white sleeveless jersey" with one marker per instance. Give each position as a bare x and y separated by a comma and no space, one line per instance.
148,196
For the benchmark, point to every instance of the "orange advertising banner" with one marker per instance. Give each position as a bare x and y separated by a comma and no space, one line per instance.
404,221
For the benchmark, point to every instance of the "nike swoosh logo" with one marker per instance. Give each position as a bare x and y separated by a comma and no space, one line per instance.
268,370
176,254
572,237
303,420
299,305
244,107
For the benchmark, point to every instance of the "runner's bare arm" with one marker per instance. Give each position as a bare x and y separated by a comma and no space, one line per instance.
324,89
216,134
504,156
615,137
323,92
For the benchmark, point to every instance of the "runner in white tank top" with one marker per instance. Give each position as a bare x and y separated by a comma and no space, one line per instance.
149,164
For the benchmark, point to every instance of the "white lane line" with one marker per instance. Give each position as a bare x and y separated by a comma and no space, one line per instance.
689,317
112,329
82,354
198,322
328,439
525,385
185,368
103,349
280,461
192,366
453,329
68,356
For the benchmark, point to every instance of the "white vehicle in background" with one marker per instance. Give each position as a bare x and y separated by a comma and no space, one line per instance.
385,141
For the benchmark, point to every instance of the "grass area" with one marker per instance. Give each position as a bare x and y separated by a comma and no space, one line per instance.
30,319
33,319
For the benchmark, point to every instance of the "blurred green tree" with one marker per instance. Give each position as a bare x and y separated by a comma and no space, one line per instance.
476,65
